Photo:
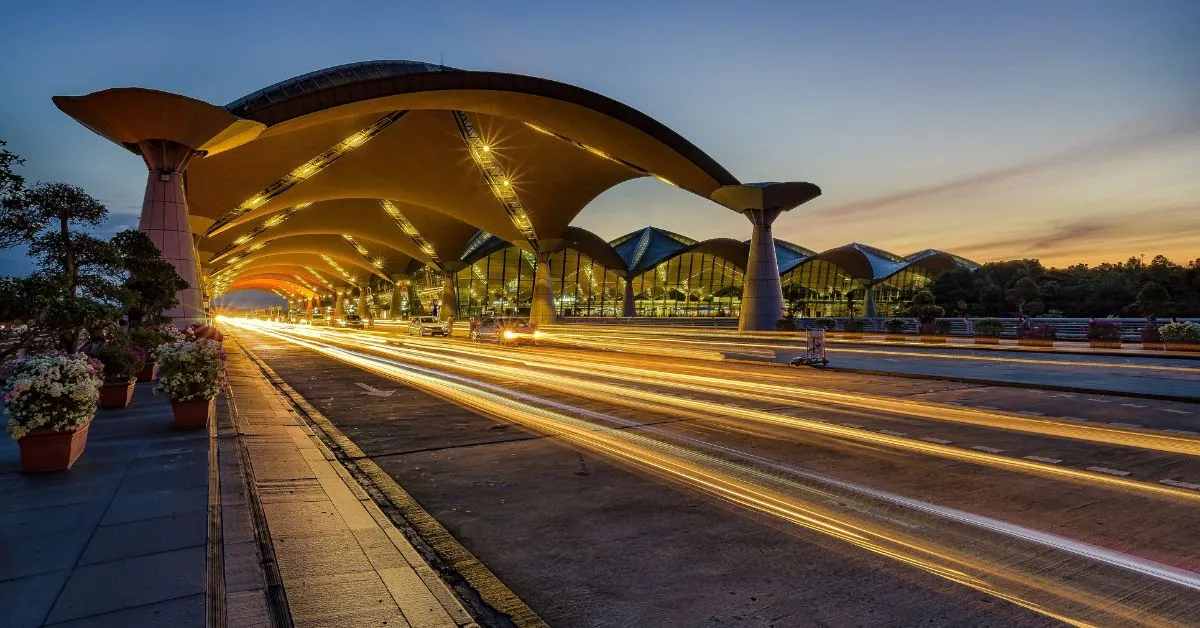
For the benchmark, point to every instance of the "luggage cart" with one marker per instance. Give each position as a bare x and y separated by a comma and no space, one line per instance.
815,352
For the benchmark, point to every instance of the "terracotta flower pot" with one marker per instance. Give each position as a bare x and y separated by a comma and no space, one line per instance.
933,339
894,337
987,340
1182,345
852,335
193,414
1035,342
1104,344
148,372
117,394
44,450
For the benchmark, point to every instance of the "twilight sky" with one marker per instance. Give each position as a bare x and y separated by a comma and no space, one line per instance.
1066,130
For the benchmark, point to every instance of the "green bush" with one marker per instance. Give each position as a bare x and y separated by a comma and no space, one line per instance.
855,325
1180,332
785,324
894,325
1104,330
121,362
824,323
989,327
941,328
1044,331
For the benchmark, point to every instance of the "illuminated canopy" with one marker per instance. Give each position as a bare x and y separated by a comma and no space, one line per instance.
377,168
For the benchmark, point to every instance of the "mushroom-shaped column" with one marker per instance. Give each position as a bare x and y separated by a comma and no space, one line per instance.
361,309
449,309
629,307
869,300
339,303
762,203
542,311
167,131
399,290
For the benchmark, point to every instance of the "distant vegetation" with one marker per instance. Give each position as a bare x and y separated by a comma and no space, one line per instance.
1160,288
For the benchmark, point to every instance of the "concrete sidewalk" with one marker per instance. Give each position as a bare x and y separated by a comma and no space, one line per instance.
340,559
120,539
252,523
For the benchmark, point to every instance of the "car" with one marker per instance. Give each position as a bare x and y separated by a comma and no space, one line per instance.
318,319
506,331
428,326
351,321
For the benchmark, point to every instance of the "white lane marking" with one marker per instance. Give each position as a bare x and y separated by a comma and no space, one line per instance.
990,450
1188,432
1126,424
891,433
1132,405
1044,459
1100,400
1167,573
1108,471
1194,487
1032,413
940,441
1036,392
853,425
373,391
1074,418
954,403
1176,411
987,407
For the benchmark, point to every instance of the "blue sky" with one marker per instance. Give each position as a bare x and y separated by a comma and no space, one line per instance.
1065,130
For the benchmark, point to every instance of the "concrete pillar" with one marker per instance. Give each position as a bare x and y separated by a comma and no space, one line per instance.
337,303
762,294
629,306
362,302
449,309
415,306
312,302
869,301
399,287
542,312
165,219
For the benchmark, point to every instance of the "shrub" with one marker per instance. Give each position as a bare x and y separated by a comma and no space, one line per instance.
56,391
785,324
824,323
941,328
121,362
894,325
855,326
989,327
1044,331
924,308
1180,332
1104,330
190,370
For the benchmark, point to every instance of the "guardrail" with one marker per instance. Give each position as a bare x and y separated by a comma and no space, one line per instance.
1065,328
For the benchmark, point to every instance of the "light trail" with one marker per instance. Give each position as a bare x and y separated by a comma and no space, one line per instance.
656,401
1057,590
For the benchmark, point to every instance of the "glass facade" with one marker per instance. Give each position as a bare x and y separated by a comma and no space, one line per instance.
692,284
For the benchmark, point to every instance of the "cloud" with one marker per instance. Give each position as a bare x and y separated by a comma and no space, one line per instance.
1146,135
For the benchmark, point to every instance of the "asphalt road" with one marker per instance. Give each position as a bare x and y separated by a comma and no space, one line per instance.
609,489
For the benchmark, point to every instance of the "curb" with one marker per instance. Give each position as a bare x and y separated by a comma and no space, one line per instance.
1108,353
983,382
479,584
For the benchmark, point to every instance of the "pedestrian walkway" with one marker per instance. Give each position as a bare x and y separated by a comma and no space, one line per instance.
340,559
120,539
253,523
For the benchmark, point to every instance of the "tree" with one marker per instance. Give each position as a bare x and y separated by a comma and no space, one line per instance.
926,310
11,183
150,284
1025,294
1153,299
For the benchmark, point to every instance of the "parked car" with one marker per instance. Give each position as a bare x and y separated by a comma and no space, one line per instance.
318,319
351,321
506,331
428,326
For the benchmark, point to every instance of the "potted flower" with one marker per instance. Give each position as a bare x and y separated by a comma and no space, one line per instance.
145,340
854,329
1151,338
50,400
988,330
935,332
191,374
787,323
1183,336
895,329
121,365
1036,335
1104,334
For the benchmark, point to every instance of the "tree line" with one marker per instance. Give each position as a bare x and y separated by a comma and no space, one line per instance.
1160,288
